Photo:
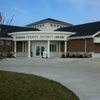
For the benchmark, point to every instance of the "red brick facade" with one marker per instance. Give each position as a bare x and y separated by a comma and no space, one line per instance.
19,46
75,45
10,48
97,45
62,46
7,48
78,45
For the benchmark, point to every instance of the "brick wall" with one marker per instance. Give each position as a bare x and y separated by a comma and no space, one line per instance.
10,48
89,45
97,47
78,45
62,46
7,48
19,46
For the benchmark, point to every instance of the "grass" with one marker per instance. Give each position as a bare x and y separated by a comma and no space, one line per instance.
19,86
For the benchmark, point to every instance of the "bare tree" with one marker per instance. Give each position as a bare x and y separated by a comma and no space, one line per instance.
4,50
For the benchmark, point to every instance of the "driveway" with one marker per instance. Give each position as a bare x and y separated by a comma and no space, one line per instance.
82,76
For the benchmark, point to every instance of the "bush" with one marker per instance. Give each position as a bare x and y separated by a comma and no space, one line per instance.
81,56
73,56
9,55
77,55
62,56
67,55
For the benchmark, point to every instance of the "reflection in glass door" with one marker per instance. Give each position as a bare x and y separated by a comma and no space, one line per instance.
39,50
42,49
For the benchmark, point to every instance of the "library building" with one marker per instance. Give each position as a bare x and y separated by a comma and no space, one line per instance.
51,38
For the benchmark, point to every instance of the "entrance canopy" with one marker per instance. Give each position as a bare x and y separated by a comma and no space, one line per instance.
40,35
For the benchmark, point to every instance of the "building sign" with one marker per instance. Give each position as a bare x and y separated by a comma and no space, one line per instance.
37,37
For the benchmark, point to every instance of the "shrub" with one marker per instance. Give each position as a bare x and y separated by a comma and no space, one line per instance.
77,54
81,56
67,55
62,56
9,55
73,55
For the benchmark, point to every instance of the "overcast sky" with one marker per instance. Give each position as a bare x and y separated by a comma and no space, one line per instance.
71,11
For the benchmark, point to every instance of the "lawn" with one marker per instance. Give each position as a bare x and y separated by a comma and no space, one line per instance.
19,86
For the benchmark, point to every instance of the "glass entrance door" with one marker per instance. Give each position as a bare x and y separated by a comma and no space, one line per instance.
42,49
39,50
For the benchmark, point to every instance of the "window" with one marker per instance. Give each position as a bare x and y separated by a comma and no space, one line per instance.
54,25
1,42
51,25
57,25
42,24
8,42
52,47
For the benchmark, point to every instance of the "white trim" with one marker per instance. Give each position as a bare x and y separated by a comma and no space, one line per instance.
23,46
48,48
65,47
29,48
40,35
15,46
90,36
6,38
48,21
96,33
80,37
40,32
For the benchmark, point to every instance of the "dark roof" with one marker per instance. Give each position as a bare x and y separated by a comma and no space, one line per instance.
83,29
51,20
5,29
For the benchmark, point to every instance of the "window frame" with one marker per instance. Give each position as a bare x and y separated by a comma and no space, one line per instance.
8,42
2,42
51,25
53,48
54,25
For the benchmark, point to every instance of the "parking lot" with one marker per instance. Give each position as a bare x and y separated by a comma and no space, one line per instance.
82,76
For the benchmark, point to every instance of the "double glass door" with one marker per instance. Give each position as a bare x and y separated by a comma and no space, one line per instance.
39,50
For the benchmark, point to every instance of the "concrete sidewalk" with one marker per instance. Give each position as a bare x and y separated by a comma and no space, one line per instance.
82,76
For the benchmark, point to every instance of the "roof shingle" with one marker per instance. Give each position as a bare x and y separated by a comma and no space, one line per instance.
49,20
5,29
88,29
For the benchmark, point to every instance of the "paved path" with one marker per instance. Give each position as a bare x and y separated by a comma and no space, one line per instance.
82,76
